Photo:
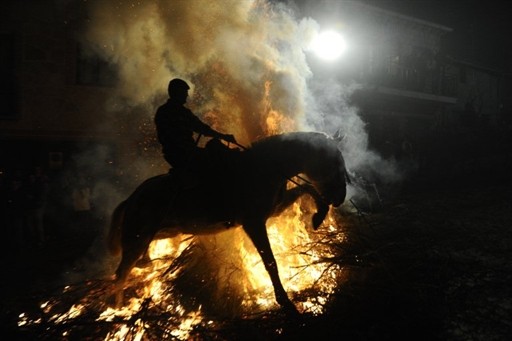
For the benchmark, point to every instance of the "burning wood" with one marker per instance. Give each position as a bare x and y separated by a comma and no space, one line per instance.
200,286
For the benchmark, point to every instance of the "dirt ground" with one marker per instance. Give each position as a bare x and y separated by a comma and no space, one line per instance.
428,264
433,265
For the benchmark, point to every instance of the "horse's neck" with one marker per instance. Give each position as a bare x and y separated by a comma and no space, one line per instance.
293,153
293,158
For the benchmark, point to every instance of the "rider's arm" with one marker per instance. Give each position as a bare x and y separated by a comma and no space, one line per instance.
204,129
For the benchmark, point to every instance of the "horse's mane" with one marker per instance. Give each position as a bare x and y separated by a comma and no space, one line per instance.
315,140
306,136
290,149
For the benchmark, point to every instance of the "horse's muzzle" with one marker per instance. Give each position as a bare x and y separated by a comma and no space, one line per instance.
338,198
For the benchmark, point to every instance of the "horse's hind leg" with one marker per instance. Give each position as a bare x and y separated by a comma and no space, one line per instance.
133,249
131,253
258,234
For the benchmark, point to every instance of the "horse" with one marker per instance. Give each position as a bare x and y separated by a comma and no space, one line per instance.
251,190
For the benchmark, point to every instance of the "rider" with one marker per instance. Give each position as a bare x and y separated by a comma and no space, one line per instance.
176,124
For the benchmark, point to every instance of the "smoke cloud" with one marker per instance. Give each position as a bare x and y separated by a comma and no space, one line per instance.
246,62
244,59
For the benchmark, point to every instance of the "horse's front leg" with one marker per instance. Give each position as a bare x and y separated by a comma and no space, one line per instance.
291,195
257,232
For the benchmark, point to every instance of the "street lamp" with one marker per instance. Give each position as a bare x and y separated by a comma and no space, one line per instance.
328,45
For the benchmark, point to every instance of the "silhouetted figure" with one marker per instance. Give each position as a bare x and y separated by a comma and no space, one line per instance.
81,197
14,201
176,125
37,191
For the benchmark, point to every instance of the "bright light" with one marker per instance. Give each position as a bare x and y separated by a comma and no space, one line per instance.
328,45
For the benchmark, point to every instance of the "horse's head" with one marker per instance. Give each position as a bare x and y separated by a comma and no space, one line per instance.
314,154
329,175
332,184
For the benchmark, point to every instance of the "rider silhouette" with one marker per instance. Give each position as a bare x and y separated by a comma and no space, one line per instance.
176,125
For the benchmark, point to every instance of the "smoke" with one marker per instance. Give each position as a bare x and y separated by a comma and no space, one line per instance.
333,113
245,60
239,56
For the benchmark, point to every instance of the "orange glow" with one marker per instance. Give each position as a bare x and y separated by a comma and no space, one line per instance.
190,278
235,271
275,122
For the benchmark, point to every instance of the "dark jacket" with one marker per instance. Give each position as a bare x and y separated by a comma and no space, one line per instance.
175,125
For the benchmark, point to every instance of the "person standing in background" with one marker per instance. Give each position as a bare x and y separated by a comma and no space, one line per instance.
13,201
37,194
81,197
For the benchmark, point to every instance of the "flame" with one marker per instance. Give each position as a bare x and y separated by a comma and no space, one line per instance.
233,269
298,261
275,121
152,286
222,273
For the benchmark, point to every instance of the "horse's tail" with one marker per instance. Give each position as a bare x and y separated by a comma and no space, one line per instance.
116,223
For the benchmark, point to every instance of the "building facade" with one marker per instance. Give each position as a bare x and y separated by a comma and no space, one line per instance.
417,100
53,94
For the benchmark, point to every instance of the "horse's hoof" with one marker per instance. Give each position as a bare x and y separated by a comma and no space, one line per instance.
290,310
292,314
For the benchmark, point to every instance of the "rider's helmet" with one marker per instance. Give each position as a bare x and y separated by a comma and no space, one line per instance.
177,85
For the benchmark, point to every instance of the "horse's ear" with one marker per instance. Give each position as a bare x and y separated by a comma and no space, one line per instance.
338,137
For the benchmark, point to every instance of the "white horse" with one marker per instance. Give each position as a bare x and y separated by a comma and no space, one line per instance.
247,193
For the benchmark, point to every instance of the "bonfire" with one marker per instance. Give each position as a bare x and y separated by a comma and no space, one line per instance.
190,287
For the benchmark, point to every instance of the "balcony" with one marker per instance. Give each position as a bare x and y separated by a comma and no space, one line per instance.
403,88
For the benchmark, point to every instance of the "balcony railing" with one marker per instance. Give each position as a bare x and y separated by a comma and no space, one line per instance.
430,81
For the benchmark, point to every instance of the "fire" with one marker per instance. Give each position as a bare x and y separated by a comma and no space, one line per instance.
299,265
226,274
275,121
